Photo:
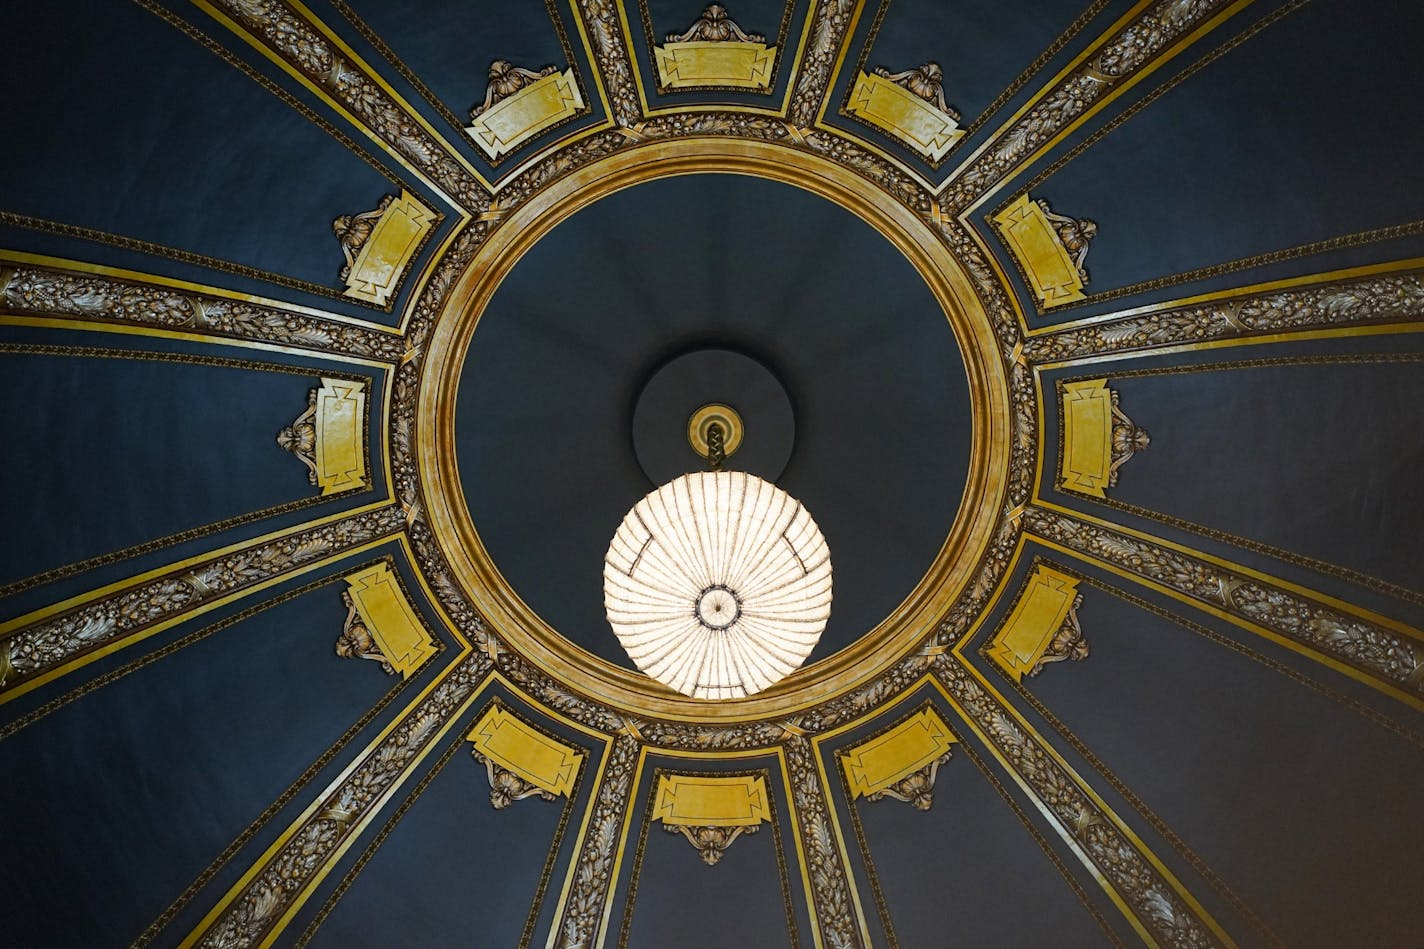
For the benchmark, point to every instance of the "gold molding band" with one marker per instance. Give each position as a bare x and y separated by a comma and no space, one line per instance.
402,638
879,762
383,258
1045,262
881,647
894,109
512,121
1041,609
516,746
703,64
706,800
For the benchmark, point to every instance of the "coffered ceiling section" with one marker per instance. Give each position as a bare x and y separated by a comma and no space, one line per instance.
338,337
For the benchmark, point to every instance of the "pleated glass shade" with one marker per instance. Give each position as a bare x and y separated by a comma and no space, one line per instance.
718,584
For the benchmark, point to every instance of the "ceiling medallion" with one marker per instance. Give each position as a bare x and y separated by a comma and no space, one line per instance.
431,468
718,584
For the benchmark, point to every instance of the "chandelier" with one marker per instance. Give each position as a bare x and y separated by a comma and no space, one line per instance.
718,584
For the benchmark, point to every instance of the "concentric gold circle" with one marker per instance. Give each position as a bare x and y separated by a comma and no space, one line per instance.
879,648
715,413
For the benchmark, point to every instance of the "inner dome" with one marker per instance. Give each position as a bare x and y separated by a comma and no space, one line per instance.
544,412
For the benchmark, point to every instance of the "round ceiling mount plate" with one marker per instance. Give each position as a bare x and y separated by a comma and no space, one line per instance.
699,429
686,393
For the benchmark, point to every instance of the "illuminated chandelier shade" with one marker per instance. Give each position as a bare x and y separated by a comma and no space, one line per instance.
718,584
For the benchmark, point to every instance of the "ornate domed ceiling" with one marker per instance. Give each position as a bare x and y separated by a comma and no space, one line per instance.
351,330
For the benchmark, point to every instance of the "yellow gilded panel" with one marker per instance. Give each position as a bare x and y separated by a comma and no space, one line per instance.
519,747
1086,463
1045,261
705,800
879,762
402,638
394,239
1039,613
740,65
897,110
514,120
340,435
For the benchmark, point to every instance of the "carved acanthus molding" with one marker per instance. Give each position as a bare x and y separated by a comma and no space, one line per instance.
828,29
1149,894
604,20
1391,658
1388,298
1137,45
250,910
832,906
296,41
581,924
50,291
40,646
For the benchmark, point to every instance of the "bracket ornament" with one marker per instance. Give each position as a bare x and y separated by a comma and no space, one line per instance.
900,762
520,104
521,760
711,811
714,53
1050,248
356,641
379,245
910,106
506,787
382,625
711,842
330,436
1042,628
1098,437
1067,643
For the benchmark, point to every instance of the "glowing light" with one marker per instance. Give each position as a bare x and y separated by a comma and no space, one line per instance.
718,584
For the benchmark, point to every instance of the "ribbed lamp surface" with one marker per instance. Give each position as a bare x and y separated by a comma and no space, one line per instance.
718,584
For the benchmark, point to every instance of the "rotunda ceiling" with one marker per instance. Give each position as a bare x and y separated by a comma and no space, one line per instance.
337,339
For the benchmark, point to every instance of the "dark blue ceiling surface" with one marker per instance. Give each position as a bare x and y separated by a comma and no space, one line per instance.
543,422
